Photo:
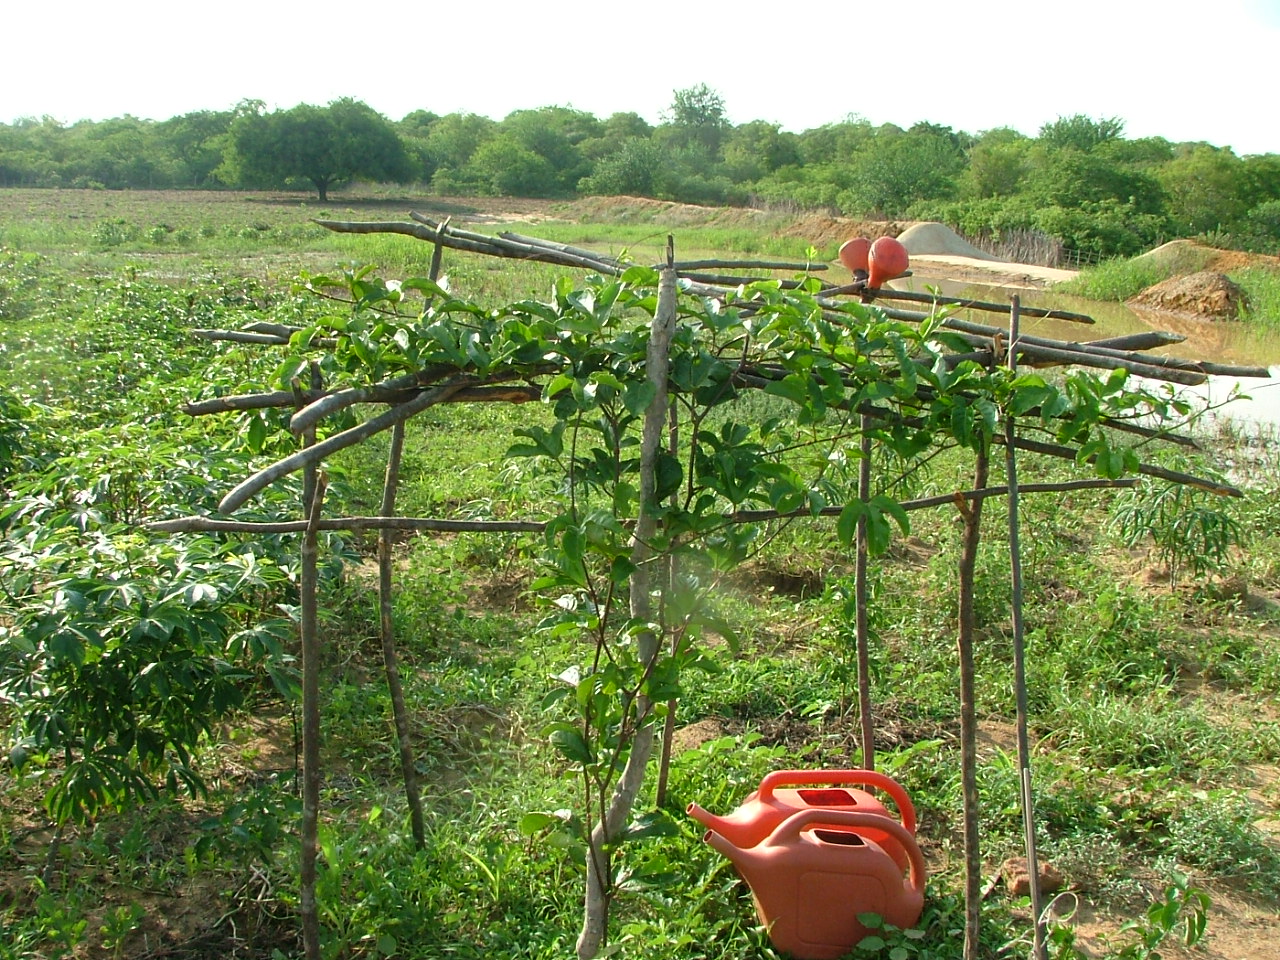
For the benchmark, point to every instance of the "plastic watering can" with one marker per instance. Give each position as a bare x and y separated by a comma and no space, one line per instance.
813,875
786,792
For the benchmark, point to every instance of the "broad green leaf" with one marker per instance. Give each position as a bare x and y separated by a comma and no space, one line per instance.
571,745
532,824
893,508
847,523
793,387
652,824
638,395
669,476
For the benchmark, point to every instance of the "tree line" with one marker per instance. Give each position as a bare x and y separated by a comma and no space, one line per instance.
1079,180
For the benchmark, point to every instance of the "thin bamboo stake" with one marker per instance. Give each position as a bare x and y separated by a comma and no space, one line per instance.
313,487
729,281
683,265
239,336
971,511
1147,469
330,403
199,524
399,714
1100,349
340,441
560,247
1060,353
885,293
496,393
1019,650
860,597
672,572
544,251
1139,341
395,688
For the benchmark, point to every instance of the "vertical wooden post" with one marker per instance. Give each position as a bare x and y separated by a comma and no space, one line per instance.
391,666
860,593
313,488
1019,652
395,687
972,514
672,574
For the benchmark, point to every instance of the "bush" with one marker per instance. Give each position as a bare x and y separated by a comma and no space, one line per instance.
114,233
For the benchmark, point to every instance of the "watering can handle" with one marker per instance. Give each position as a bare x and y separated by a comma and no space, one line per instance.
790,829
868,778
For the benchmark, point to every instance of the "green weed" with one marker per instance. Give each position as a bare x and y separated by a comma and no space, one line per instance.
1116,279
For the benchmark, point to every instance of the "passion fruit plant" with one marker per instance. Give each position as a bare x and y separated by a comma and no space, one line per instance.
668,477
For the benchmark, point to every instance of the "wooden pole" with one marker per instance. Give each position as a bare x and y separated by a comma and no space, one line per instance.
860,595
313,486
339,441
669,724
971,511
1019,653
390,663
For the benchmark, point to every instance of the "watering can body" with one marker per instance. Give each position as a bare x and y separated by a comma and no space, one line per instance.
813,875
787,792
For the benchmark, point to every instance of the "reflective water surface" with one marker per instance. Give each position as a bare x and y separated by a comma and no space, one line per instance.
1228,342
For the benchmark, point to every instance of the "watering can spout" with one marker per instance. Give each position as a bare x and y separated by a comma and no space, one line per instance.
735,853
708,820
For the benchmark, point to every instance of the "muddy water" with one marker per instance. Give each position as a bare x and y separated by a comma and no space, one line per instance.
1222,342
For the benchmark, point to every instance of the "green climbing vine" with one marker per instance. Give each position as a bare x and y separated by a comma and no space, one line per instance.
728,462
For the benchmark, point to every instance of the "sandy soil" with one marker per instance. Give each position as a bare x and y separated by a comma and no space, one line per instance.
997,272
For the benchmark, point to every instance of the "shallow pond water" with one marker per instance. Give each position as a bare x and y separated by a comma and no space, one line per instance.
1228,342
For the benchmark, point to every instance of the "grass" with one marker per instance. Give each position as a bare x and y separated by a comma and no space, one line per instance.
1151,704
1262,289
1116,280
1120,280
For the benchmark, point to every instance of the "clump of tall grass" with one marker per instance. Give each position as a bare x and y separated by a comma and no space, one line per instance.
1262,292
1116,280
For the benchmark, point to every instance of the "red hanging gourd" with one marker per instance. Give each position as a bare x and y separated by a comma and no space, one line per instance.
853,254
886,260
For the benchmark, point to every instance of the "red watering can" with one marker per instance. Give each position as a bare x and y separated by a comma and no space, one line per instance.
813,875
778,798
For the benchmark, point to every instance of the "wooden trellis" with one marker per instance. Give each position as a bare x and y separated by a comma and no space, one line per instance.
408,395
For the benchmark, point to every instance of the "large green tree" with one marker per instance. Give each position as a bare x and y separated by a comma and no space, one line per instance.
196,141
1079,132
895,169
696,117
326,146
1207,187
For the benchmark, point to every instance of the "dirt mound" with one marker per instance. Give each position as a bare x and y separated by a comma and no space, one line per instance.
931,237
1187,257
821,230
1205,294
1179,257
818,229
666,213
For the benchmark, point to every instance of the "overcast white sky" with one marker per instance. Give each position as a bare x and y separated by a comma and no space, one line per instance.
1181,70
